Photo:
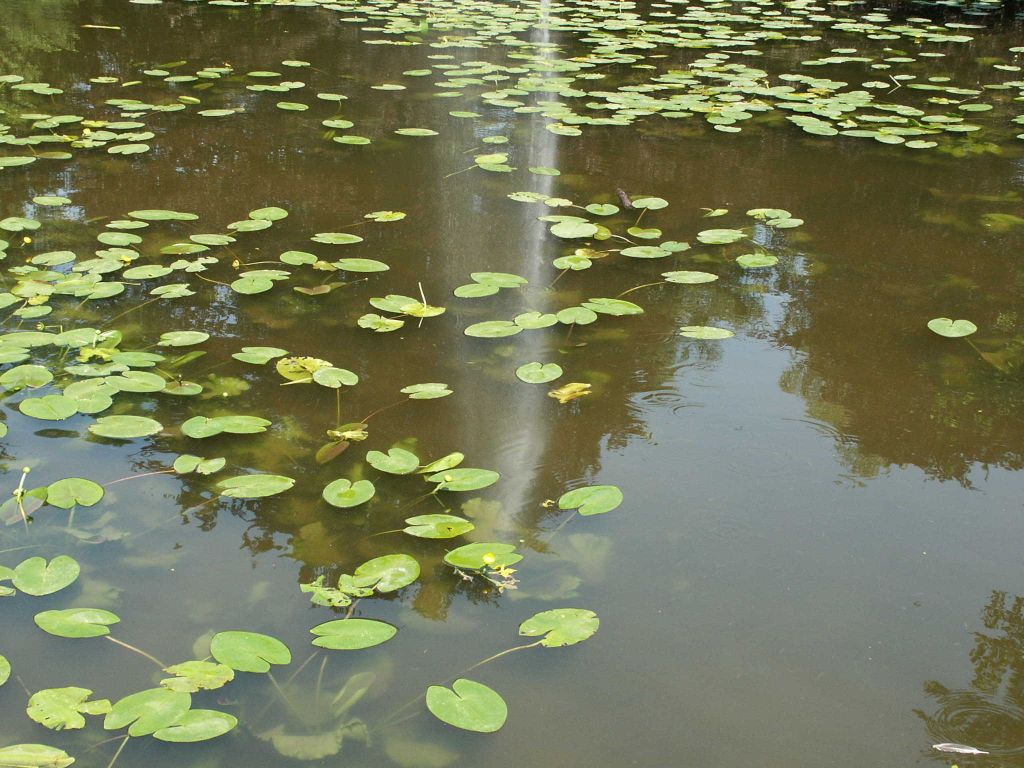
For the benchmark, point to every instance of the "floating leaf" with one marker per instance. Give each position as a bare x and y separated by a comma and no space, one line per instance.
254,486
471,706
197,725
352,634
951,329
193,676
757,260
34,756
259,355
437,526
704,332
63,708
49,407
147,711
689,278
344,493
493,329
464,479
538,373
429,391
5,670
76,622
483,554
182,338
125,427
36,577
388,573
396,461
22,376
592,499
720,236
562,626
249,651
617,307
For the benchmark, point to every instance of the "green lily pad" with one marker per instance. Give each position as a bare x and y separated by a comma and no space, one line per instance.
63,708
147,711
125,427
76,622
388,573
255,486
538,373
36,577
560,627
468,705
352,634
344,493
193,676
197,725
720,236
757,260
437,526
259,355
687,277
182,338
591,499
5,670
26,376
395,462
483,554
249,651
464,479
49,407
493,329
34,756
951,329
705,332
428,391
72,491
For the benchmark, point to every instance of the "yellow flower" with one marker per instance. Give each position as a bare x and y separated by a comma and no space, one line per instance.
489,558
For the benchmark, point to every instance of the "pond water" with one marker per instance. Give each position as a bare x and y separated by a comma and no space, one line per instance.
817,556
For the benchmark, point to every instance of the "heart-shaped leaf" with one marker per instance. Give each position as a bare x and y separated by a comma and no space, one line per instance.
197,725
352,634
483,554
125,427
63,708
249,651
951,329
437,526
77,622
464,479
388,573
591,499
396,461
147,711
254,486
37,577
73,491
538,373
5,670
471,706
192,676
562,626
34,756
344,493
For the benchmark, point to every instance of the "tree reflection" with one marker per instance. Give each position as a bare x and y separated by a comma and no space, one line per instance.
990,714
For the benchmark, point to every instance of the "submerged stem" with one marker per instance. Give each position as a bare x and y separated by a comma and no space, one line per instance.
118,753
645,285
139,651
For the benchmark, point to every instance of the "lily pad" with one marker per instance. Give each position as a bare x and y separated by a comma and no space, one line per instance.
352,634
344,493
464,479
468,705
37,577
197,725
193,676
395,462
147,711
249,651
63,708
951,329
76,622
560,627
437,526
125,427
591,499
483,554
255,486
34,756
388,573
538,373
705,332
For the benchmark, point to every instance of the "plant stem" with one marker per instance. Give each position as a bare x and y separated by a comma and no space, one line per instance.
118,753
139,651
135,477
499,655
645,285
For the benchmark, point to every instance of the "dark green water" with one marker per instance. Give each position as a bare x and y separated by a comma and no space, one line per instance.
818,558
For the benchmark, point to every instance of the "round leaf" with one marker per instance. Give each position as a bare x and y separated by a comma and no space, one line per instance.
471,706
76,622
592,499
352,634
36,577
344,493
562,626
249,651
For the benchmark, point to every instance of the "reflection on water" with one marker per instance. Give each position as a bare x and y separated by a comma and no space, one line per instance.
989,715
812,508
